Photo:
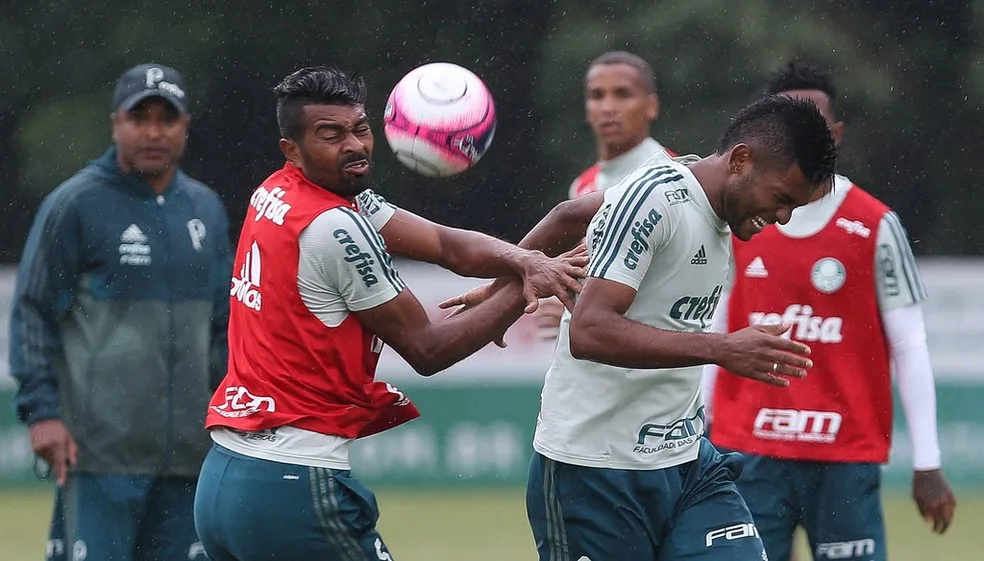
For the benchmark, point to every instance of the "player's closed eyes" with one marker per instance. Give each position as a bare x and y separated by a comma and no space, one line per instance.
338,136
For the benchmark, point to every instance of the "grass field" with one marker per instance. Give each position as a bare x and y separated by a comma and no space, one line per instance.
491,526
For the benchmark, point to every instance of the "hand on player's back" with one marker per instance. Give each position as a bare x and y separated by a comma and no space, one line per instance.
758,352
560,276
546,277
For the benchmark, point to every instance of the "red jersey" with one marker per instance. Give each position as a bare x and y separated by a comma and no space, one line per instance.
286,367
585,183
824,285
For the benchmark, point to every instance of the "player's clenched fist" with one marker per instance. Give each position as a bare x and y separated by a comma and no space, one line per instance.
760,353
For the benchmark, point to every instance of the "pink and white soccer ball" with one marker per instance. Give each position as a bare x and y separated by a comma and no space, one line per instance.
439,119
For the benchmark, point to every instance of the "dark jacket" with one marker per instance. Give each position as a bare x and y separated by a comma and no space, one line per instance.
118,325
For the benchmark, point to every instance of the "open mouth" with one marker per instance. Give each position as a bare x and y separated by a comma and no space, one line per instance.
758,224
358,167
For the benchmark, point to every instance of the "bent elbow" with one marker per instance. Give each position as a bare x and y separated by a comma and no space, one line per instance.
581,342
580,352
425,369
571,215
426,360
422,363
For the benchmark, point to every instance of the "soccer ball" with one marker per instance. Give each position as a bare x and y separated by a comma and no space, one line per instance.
439,119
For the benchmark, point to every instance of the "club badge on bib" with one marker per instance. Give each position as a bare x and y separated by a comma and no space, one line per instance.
828,275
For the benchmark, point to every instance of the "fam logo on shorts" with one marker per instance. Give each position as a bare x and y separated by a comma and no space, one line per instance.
828,275
846,550
731,533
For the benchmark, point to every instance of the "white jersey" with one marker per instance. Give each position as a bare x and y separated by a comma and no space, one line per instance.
657,233
608,173
331,288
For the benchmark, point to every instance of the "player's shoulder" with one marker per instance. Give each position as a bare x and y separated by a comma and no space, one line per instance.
585,182
82,194
861,198
338,233
340,223
661,179
80,185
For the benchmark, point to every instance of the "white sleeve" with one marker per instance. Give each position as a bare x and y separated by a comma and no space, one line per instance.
374,208
906,336
344,251
897,283
628,230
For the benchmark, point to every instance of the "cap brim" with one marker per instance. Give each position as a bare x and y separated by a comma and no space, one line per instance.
129,103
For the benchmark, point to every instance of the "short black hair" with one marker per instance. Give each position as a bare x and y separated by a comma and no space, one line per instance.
314,84
786,131
635,61
801,75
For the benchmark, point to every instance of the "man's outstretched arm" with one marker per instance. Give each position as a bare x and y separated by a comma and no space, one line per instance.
560,230
473,254
564,226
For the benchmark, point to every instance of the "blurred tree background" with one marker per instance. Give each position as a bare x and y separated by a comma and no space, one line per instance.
910,72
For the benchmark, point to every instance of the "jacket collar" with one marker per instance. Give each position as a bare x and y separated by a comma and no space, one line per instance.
107,167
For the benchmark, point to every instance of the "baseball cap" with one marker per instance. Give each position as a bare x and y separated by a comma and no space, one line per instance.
150,80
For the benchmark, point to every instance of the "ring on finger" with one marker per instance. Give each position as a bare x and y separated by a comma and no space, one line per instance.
775,366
